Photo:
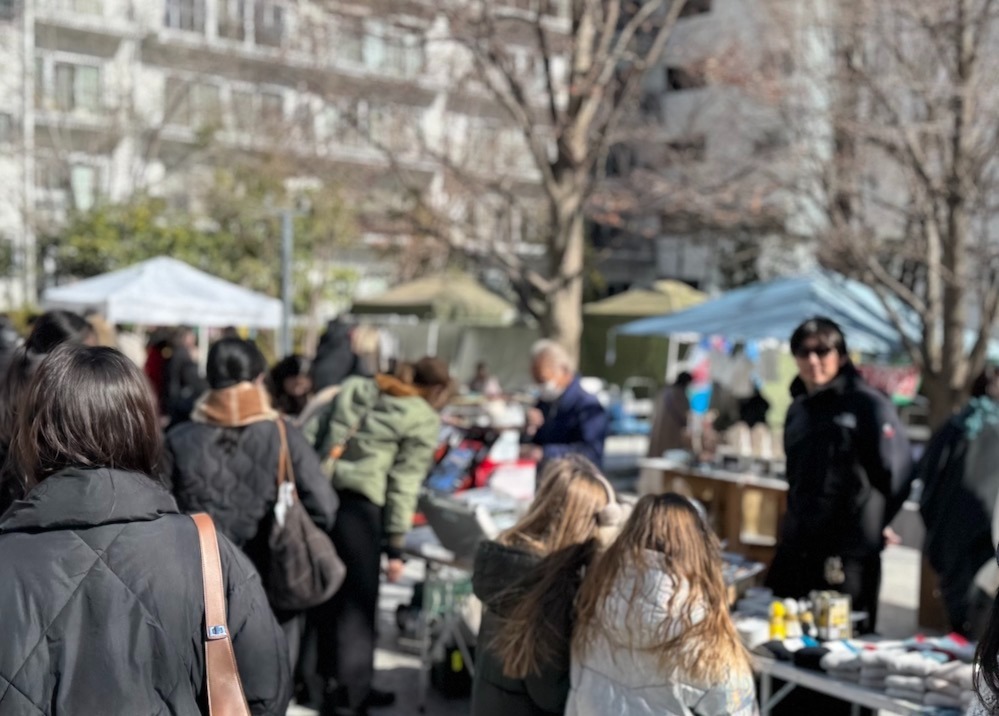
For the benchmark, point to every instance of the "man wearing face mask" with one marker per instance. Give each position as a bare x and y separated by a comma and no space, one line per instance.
848,470
567,419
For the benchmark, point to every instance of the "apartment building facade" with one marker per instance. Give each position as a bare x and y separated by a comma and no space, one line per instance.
712,122
100,99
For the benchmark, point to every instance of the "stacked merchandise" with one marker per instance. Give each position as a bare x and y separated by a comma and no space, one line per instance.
874,666
951,686
933,672
908,672
843,664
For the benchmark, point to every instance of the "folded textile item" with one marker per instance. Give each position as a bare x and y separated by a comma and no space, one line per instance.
958,673
874,673
775,649
840,661
931,698
810,657
942,686
954,645
876,684
906,695
852,676
879,657
874,668
914,664
911,683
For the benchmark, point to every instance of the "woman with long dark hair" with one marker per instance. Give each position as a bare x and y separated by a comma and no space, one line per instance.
291,385
224,461
527,580
101,585
48,332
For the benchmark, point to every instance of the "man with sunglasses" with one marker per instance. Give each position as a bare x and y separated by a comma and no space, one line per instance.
848,469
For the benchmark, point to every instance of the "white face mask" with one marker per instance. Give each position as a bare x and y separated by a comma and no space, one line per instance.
549,391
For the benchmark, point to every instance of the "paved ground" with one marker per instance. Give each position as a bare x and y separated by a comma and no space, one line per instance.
398,665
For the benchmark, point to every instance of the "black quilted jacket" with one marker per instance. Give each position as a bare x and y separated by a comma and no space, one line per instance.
103,611
231,473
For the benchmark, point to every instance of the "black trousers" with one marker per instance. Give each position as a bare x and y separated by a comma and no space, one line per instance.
795,574
346,625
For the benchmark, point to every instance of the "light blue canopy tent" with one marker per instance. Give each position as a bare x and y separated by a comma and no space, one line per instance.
773,309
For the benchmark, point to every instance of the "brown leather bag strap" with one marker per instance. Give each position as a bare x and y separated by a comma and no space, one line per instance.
225,691
286,470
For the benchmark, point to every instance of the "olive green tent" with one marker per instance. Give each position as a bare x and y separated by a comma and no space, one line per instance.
635,355
453,297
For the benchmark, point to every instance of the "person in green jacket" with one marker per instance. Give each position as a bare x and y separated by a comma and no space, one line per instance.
377,440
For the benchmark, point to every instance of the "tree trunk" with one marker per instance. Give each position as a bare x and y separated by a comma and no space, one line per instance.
944,398
563,319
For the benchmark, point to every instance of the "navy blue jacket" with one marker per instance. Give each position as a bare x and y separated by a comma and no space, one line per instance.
575,423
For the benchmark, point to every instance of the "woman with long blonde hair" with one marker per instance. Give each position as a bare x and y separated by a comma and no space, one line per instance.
653,633
527,580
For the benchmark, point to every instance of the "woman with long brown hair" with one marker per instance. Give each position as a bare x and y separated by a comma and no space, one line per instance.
653,632
527,580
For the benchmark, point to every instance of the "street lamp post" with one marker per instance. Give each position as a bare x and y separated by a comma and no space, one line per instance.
287,242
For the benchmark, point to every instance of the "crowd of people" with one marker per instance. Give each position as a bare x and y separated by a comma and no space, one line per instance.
591,607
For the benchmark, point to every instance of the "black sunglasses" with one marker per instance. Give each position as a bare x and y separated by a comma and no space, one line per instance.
820,351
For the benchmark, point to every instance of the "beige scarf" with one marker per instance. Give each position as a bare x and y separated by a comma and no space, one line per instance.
235,407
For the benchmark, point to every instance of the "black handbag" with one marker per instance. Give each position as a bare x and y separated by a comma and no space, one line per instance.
304,569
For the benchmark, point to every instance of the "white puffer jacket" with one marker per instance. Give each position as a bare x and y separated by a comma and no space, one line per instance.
615,679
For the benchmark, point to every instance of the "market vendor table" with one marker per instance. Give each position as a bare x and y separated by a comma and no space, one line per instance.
796,677
727,495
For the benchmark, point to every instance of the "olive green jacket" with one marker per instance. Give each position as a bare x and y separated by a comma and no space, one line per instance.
389,434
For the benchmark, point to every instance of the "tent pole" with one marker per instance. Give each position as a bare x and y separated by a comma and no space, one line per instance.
672,358
202,350
433,338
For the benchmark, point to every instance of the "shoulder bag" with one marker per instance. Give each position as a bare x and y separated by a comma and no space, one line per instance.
304,569
225,690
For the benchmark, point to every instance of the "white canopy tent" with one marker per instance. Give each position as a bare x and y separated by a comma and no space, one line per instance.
166,292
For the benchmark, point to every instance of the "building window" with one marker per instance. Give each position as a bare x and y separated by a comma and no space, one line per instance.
185,15
83,186
8,130
192,104
770,141
39,82
271,108
232,19
678,78
269,28
695,7
206,104
77,87
84,7
243,112
688,150
386,51
350,40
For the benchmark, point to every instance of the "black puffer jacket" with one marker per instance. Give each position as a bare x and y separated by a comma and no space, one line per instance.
103,609
231,473
849,468
501,575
